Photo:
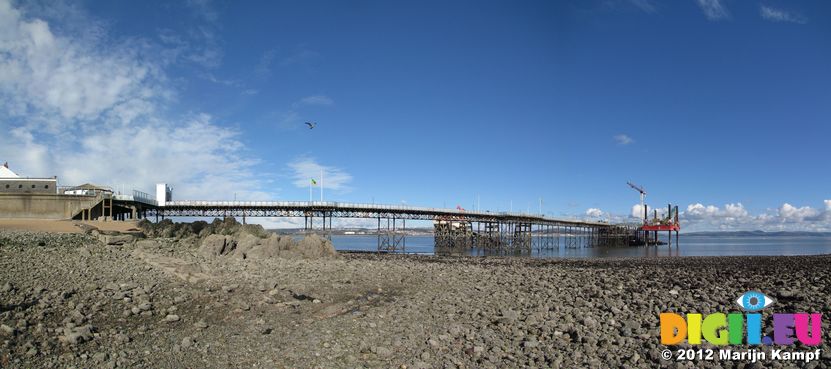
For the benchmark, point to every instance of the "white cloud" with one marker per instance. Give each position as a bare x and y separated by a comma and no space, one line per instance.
623,139
292,118
778,15
713,9
89,110
299,56
196,43
594,213
44,73
263,68
790,213
735,217
735,210
320,100
203,9
204,50
271,57
645,5
637,210
304,169
731,217
701,211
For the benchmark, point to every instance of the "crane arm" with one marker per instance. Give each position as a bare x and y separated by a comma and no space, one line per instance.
636,187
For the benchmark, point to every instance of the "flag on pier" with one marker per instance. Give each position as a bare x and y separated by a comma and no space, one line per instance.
314,182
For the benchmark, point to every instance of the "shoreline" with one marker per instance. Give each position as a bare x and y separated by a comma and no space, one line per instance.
74,301
567,258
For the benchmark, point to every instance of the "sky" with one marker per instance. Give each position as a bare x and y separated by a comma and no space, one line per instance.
720,107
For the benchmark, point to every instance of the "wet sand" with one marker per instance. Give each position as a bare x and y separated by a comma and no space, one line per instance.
63,226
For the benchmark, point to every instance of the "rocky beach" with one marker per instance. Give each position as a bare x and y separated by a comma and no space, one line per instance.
225,295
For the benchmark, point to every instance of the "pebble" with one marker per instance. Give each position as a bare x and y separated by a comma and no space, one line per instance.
170,318
201,324
381,351
455,313
76,335
121,338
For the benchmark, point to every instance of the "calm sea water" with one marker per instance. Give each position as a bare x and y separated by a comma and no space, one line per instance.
690,246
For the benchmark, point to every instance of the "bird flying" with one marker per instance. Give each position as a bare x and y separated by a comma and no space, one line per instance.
311,124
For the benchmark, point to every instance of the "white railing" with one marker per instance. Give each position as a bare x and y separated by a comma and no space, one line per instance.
135,198
373,207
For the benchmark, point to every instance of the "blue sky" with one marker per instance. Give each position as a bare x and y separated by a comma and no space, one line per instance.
721,107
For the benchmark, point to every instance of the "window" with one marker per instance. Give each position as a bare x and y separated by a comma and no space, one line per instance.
19,186
33,186
7,186
46,187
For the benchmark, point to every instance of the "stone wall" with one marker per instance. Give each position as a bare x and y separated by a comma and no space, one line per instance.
29,185
43,206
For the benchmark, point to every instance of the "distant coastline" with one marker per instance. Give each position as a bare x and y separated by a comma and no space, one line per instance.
429,232
759,234
353,231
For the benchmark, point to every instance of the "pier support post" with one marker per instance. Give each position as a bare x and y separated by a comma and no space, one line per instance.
391,239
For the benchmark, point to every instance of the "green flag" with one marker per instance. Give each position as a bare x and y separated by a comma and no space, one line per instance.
314,182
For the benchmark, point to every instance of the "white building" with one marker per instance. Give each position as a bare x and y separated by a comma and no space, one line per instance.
5,172
163,194
12,183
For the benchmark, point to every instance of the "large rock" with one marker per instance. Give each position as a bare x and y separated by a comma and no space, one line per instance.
273,246
227,237
116,239
217,245
247,243
314,247
250,246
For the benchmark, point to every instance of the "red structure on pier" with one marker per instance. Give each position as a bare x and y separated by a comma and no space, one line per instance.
653,226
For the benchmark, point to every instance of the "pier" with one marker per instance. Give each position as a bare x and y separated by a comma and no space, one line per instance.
453,228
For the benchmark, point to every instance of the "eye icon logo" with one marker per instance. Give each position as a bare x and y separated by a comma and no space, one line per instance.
754,301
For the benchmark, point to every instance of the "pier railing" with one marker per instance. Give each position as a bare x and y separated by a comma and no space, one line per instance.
348,209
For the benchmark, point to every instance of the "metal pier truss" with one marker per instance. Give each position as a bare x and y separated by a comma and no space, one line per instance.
453,228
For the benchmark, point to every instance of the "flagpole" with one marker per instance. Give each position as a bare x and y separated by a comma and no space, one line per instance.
321,185
310,191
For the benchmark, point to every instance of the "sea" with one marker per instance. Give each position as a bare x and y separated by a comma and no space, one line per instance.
689,245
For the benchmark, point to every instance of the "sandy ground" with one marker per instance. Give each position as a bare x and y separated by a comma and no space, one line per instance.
69,300
63,226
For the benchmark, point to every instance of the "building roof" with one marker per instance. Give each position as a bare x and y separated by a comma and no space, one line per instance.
5,172
90,186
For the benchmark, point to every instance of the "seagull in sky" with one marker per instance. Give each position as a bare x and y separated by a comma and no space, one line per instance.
311,124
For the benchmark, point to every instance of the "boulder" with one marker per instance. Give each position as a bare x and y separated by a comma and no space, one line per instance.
247,243
217,245
272,247
315,247
116,239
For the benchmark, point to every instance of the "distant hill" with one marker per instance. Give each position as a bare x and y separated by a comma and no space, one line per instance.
759,234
